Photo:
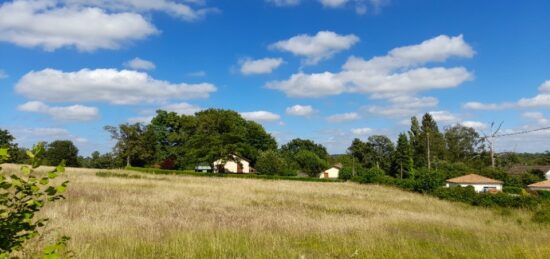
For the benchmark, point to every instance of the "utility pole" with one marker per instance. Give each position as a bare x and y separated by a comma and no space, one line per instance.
491,140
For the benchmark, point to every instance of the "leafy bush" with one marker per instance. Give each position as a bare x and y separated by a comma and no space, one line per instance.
462,194
21,197
310,163
372,175
427,180
271,163
346,173
512,190
544,195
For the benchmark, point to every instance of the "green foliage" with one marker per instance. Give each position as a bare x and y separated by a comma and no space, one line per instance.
513,190
100,161
16,154
346,173
118,175
272,163
372,175
62,150
135,143
402,159
310,163
462,143
428,180
58,250
462,194
296,145
503,200
21,197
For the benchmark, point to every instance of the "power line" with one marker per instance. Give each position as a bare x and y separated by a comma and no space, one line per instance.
521,132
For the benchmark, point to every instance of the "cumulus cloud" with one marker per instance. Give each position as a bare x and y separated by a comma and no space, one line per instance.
361,131
316,48
403,106
310,85
185,11
344,117
541,100
50,26
361,6
182,108
537,117
66,113
477,125
105,85
260,66
397,74
31,136
300,110
140,64
261,116
445,117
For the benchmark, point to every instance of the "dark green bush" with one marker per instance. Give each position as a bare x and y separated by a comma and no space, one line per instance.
462,194
372,175
544,195
271,163
512,190
427,180
346,173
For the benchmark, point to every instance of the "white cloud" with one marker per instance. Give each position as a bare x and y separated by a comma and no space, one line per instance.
140,64
344,117
538,101
477,125
361,131
300,110
66,113
105,85
260,66
261,116
182,108
538,117
396,74
49,25
310,85
403,106
177,9
316,48
3,74
31,136
444,117
284,2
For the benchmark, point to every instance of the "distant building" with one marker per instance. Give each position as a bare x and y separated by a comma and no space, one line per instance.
203,168
237,165
332,173
540,186
521,169
480,183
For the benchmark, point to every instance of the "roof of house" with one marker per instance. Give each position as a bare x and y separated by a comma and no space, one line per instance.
543,184
473,178
237,157
338,165
520,169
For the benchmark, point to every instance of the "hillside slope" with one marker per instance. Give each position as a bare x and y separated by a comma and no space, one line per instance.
196,217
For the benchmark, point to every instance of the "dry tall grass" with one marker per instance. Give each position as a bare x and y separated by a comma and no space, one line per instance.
195,217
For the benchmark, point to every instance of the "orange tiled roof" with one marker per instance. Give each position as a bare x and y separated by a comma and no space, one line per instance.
473,178
543,184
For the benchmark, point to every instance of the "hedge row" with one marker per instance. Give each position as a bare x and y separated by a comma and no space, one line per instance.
245,176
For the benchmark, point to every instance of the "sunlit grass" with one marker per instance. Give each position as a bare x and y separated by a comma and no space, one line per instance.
196,217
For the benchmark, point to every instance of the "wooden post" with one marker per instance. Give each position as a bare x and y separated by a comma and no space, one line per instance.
428,151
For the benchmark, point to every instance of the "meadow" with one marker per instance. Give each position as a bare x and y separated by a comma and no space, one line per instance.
125,214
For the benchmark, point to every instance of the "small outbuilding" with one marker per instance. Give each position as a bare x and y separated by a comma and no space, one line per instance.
540,186
236,165
480,183
331,173
203,168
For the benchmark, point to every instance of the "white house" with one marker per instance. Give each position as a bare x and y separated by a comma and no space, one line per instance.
540,186
236,165
480,183
331,173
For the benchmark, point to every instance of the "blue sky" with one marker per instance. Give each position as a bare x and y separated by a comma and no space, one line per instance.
328,70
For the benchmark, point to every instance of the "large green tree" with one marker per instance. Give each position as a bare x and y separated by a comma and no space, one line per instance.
382,149
7,140
135,143
403,161
60,150
310,163
297,145
462,143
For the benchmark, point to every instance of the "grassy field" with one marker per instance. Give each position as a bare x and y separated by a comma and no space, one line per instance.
160,216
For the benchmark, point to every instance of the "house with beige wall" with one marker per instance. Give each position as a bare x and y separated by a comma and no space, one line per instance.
331,173
237,165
